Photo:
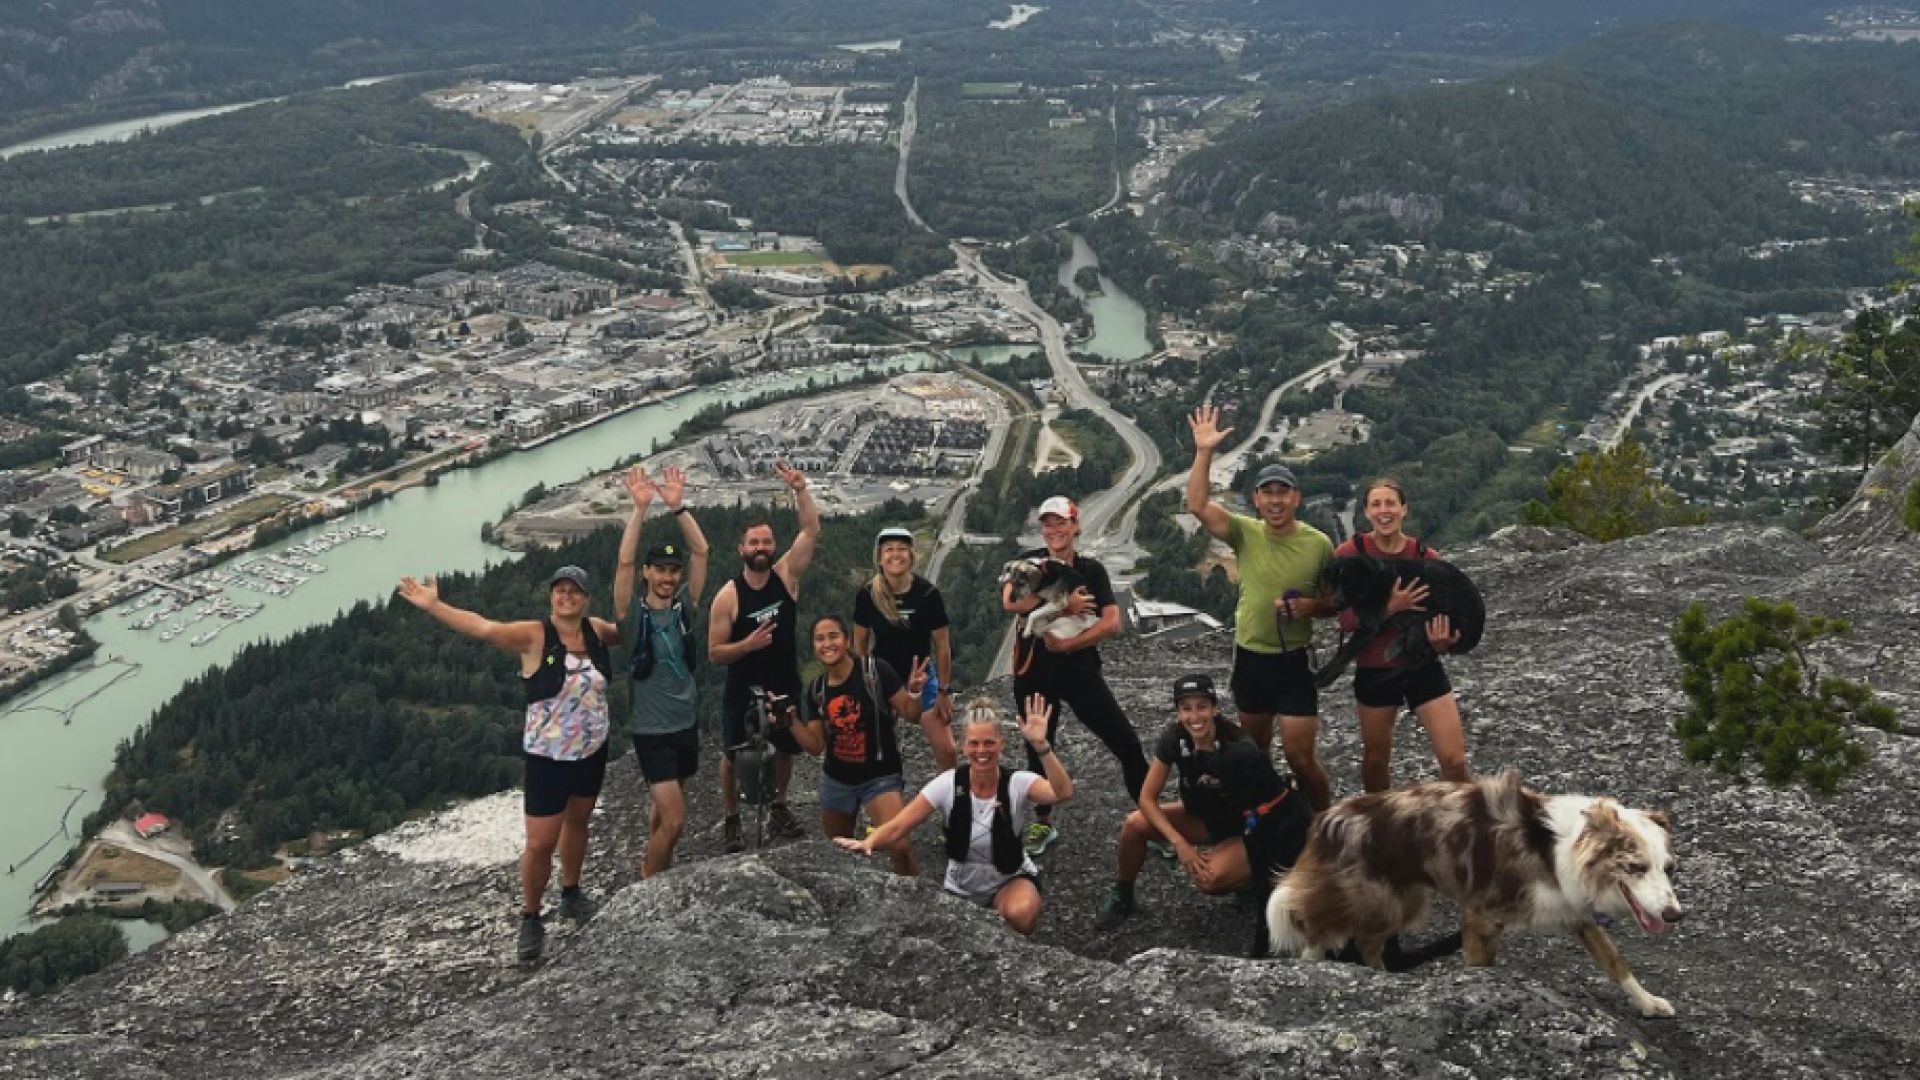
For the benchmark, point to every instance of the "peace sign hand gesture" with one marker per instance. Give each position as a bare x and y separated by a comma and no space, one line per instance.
917,679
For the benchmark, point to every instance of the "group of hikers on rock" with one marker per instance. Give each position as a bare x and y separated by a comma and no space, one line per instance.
1237,819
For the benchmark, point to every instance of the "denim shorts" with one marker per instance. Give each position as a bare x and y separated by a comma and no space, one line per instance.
839,798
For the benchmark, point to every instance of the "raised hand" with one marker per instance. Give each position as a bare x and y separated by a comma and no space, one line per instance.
917,680
791,476
672,487
639,487
1406,597
421,594
1033,725
1207,432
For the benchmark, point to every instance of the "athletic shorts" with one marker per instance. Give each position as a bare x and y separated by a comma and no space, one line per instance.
1274,683
668,757
839,798
1390,687
987,900
733,724
551,783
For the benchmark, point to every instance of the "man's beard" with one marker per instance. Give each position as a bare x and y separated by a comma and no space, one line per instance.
759,561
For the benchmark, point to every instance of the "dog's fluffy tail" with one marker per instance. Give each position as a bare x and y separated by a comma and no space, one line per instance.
1283,938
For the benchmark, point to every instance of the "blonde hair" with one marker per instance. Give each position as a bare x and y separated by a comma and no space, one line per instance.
982,710
882,593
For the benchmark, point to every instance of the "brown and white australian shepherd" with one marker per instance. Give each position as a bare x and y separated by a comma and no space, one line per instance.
1510,857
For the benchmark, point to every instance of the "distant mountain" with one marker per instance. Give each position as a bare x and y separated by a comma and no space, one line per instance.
55,52
1413,13
1674,137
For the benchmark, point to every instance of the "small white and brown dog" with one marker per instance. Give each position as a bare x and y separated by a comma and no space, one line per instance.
1052,581
1510,857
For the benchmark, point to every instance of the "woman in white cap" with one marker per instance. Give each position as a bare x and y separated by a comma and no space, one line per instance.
1067,670
900,617
565,663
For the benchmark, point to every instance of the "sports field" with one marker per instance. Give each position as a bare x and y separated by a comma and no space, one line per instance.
776,258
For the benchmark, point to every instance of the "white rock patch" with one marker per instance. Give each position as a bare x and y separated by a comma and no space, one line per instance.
484,832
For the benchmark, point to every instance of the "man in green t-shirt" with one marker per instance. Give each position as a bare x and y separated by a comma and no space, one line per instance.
1280,561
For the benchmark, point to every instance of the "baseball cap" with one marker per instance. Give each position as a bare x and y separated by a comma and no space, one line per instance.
894,532
1061,506
569,573
1187,686
1275,474
665,555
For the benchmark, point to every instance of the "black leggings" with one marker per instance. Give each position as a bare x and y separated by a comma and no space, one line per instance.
1093,703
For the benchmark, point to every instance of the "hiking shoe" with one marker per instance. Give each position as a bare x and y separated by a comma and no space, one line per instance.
576,905
781,824
1114,907
1040,836
1162,849
735,841
533,937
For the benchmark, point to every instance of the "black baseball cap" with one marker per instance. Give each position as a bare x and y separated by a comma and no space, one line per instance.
570,573
1187,686
666,555
1275,474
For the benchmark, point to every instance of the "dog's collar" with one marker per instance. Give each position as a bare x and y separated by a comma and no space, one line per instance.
1602,919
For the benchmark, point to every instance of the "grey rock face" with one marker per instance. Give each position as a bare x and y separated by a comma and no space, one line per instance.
1873,515
395,959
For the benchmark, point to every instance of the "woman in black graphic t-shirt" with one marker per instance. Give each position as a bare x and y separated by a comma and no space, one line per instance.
852,727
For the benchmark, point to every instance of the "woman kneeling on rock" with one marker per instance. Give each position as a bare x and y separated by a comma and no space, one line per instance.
981,802
1232,802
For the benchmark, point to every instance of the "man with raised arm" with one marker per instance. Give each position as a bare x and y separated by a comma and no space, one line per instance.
666,731
1280,560
752,631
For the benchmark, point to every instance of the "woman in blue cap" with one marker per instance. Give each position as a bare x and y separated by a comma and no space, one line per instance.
900,617
565,663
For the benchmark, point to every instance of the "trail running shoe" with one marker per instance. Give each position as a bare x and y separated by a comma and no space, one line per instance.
781,823
533,937
576,905
1162,849
1115,906
735,841
1040,836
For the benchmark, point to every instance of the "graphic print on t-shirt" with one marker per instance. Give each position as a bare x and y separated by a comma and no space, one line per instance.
846,726
771,611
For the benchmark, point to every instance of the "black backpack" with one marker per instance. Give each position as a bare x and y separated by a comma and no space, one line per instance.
1008,855
644,658
547,680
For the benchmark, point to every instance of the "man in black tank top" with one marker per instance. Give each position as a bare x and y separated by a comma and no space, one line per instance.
752,631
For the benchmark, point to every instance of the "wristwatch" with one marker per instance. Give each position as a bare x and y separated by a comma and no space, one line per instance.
678,510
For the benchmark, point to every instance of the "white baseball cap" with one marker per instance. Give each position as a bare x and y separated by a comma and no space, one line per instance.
1061,506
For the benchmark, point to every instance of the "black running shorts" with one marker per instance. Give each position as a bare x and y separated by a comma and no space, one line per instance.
1274,684
551,783
1391,687
668,757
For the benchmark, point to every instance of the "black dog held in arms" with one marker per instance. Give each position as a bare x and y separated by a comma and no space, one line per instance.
1364,583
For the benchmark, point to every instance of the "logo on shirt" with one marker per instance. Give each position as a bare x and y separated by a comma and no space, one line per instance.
766,614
